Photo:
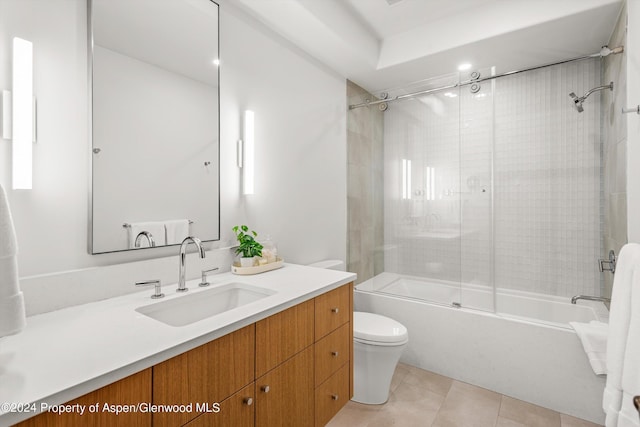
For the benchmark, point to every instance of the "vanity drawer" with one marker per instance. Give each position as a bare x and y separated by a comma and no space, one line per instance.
331,353
237,410
332,310
332,395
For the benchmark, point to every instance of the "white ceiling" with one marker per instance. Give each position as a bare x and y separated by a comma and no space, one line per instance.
381,46
387,20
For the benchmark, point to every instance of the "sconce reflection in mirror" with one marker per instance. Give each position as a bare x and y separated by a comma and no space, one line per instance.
18,114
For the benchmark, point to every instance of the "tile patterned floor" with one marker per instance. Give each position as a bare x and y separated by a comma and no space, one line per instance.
422,398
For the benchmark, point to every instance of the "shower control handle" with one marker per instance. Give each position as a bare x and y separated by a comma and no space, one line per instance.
608,265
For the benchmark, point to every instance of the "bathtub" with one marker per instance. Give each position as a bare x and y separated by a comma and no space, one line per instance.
525,349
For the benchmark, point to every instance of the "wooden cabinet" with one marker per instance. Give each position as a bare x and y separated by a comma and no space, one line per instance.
282,335
284,367
294,368
333,309
334,352
303,361
284,396
237,411
128,392
332,395
331,352
205,375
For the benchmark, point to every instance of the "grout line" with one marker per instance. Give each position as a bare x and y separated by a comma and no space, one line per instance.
499,410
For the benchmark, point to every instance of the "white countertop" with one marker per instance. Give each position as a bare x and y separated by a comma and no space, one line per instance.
67,353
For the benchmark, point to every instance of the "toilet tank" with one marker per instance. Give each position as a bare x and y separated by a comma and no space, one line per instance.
331,264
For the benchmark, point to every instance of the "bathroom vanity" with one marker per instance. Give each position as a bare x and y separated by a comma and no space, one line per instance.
285,359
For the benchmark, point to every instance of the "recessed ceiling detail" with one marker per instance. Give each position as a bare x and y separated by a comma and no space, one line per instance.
381,47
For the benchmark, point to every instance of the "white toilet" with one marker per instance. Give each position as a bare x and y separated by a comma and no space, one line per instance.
378,342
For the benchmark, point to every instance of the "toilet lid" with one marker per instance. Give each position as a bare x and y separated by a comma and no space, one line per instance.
376,328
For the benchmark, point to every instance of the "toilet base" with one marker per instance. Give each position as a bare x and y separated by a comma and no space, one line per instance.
373,370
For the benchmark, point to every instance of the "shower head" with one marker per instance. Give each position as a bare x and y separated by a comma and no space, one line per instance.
577,101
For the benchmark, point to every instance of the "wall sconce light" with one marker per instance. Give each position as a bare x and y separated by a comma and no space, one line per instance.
248,153
18,114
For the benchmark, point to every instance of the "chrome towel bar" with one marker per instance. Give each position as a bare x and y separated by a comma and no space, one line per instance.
127,225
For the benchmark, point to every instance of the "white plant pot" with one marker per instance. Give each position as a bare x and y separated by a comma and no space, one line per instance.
247,262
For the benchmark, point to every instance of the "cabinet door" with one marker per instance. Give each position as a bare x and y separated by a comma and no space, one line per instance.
332,310
207,374
128,391
285,396
282,335
236,411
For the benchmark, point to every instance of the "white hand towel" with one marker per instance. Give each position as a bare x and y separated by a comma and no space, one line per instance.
619,320
593,336
628,416
156,228
176,230
12,312
12,315
8,242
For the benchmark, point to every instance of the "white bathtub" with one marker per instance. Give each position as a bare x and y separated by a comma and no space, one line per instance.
526,349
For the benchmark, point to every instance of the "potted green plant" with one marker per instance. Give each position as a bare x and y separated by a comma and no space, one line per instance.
248,246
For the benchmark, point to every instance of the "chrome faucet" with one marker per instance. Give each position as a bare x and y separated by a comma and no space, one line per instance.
183,259
146,234
589,298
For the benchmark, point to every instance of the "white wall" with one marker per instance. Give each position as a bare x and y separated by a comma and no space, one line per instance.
300,142
632,50
301,161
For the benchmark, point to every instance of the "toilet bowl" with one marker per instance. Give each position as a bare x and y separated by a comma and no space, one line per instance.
378,342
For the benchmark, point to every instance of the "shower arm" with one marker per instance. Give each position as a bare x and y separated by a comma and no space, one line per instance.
605,51
595,89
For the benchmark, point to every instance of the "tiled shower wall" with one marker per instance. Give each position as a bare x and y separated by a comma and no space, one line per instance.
547,181
364,186
517,144
614,140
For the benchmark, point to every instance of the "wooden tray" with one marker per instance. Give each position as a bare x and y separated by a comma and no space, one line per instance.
237,269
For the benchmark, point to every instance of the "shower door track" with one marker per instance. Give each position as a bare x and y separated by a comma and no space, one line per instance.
605,51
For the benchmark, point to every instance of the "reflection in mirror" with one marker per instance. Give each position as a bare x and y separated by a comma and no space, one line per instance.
155,174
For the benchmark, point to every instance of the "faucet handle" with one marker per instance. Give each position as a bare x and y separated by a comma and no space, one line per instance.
204,281
158,287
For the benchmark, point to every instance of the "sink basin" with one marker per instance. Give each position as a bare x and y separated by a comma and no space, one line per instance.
200,305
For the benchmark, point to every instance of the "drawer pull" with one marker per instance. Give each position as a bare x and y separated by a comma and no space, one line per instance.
334,353
334,396
335,310
247,401
265,388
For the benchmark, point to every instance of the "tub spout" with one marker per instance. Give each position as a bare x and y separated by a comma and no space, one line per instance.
589,298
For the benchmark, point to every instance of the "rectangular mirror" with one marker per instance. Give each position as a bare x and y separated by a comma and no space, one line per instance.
155,122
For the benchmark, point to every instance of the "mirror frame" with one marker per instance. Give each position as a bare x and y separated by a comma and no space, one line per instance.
90,59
